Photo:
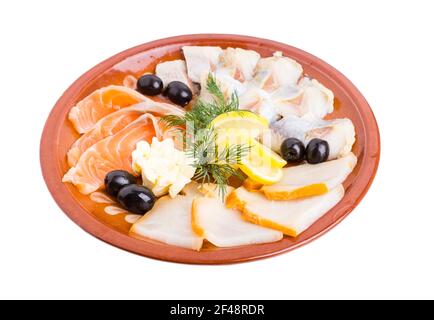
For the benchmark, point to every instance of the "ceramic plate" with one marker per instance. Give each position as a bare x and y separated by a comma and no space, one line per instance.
59,134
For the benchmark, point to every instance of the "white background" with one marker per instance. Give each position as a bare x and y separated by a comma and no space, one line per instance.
384,249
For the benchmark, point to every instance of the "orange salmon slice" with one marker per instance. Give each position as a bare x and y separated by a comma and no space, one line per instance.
116,121
111,153
86,113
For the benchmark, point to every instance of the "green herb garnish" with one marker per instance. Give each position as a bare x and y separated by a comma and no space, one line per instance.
202,113
213,164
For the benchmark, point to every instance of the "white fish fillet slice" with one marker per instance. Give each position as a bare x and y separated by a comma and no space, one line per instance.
225,227
277,71
268,105
294,127
309,99
241,63
339,133
201,59
286,95
175,70
317,100
226,83
292,217
330,174
169,221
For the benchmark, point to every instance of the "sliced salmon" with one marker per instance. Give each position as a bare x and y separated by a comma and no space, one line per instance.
111,153
107,126
116,121
86,113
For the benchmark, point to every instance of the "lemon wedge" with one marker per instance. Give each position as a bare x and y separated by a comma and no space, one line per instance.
268,155
260,172
228,137
262,165
243,120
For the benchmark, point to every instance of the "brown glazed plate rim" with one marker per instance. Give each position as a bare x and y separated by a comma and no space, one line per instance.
368,161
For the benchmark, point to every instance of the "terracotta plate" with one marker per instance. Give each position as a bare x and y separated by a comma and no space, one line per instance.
58,135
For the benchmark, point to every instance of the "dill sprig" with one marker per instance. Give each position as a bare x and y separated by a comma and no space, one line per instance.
213,163
202,113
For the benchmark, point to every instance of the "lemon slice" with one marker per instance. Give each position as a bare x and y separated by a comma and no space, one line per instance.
262,165
233,137
241,120
228,137
260,172
266,154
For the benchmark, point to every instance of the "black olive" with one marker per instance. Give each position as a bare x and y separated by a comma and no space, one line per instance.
292,150
317,151
115,180
136,198
150,85
179,93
